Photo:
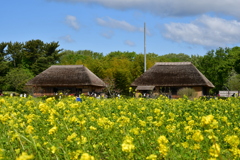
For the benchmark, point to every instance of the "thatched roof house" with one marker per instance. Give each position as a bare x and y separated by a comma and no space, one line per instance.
171,76
66,78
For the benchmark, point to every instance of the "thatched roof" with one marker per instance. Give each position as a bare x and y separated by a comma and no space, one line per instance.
149,88
66,75
178,74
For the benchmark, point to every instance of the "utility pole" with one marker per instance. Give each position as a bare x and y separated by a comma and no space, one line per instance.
144,47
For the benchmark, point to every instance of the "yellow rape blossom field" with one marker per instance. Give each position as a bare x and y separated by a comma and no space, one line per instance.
109,129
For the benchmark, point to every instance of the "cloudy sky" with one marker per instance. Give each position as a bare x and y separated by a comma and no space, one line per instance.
192,27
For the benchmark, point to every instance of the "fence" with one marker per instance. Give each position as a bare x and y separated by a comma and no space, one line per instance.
229,93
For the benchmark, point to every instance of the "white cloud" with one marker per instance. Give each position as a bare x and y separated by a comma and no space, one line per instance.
107,34
206,31
67,38
123,25
170,7
112,23
72,22
129,43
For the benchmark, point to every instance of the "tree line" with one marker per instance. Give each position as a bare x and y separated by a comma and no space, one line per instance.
22,61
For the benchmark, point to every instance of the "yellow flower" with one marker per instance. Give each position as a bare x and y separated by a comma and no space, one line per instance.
224,119
213,137
92,128
81,140
105,123
43,108
142,123
152,157
197,136
2,100
171,128
72,136
1,153
86,156
196,146
214,150
60,105
232,140
17,151
135,131
214,124
76,154
74,119
191,122
52,130
235,151
211,158
188,129
207,119
185,144
48,100
53,149
163,149
29,129
149,118
123,121
162,140
127,145
25,156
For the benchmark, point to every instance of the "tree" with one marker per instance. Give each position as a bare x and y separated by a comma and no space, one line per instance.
3,63
122,81
233,82
3,53
49,57
91,54
33,49
15,54
38,56
16,79
215,65
234,56
69,57
118,54
173,57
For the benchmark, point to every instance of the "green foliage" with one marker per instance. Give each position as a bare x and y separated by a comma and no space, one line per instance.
216,66
235,58
15,53
189,92
233,82
118,54
16,79
36,56
71,58
3,54
173,57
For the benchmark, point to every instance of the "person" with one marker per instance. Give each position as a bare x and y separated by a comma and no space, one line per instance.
78,99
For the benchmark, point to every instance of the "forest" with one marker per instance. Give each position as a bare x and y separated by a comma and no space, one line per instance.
21,61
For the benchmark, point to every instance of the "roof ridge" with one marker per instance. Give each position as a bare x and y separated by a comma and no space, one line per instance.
67,66
173,63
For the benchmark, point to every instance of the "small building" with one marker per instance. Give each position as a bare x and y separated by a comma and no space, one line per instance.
168,77
66,79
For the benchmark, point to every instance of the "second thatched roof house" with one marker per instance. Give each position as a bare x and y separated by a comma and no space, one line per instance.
169,77
69,79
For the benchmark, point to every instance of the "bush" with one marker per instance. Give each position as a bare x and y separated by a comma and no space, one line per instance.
189,92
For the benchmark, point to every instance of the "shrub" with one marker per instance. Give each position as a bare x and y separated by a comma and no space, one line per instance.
189,92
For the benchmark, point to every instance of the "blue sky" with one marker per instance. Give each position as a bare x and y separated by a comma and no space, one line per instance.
173,26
